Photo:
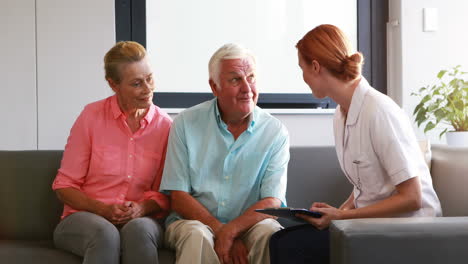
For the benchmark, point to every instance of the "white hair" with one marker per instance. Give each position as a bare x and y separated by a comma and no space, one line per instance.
227,52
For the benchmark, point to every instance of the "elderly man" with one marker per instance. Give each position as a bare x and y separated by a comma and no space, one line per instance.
226,157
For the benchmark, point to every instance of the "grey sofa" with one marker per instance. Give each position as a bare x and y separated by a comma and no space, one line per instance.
30,209
414,240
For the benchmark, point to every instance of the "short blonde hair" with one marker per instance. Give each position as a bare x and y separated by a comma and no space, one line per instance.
122,52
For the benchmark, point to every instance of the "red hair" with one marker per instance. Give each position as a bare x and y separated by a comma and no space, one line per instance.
329,46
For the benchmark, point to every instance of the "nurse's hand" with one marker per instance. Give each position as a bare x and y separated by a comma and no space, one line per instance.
328,212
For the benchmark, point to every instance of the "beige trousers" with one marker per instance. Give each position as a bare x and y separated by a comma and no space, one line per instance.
193,241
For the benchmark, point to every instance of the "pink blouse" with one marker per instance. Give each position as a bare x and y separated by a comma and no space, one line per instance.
107,162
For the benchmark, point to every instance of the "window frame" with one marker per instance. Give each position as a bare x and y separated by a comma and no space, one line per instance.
130,21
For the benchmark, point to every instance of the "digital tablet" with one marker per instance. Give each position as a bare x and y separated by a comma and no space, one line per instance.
287,212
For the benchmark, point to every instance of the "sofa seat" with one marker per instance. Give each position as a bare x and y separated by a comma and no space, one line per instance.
44,252
400,240
23,251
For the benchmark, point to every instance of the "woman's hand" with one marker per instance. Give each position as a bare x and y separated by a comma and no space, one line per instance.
137,209
328,212
120,214
117,214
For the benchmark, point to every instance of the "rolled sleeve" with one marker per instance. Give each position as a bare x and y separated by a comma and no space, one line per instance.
275,179
63,181
176,171
76,157
161,199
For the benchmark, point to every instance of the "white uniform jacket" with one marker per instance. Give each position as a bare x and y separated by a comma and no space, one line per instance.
377,150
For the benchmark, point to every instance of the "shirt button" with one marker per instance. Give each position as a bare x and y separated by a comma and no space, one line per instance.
122,196
130,156
226,177
129,176
131,138
222,203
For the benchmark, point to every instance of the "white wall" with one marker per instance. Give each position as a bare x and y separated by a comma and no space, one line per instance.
423,54
18,75
62,42
72,38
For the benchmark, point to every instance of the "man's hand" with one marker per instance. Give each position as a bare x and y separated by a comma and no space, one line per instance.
239,252
224,241
328,213
223,248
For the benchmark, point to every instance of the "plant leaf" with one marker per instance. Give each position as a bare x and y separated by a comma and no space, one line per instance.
429,126
421,116
443,132
426,98
453,82
416,109
441,74
439,114
459,105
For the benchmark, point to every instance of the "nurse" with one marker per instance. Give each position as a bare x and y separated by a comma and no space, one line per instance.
376,147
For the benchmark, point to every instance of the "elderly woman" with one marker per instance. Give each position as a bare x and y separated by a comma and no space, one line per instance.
111,168
375,145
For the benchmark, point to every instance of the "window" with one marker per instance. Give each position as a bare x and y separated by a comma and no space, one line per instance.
278,23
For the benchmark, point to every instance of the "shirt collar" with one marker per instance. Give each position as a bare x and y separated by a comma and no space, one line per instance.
252,117
150,114
357,101
117,112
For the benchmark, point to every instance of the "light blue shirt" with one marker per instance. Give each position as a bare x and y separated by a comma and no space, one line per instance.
226,176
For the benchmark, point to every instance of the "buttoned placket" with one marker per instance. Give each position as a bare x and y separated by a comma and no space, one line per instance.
345,149
226,177
226,183
130,161
233,147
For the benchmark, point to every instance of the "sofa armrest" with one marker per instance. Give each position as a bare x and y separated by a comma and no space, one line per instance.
399,240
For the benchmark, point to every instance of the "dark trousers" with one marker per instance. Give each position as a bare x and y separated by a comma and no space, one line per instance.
300,244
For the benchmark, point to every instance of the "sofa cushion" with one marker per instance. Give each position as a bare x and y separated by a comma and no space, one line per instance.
31,208
166,256
315,176
450,178
26,252
428,240
425,146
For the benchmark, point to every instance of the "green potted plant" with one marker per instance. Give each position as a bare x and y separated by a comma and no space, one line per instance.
445,104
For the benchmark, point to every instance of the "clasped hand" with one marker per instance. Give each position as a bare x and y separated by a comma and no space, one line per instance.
230,250
120,214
